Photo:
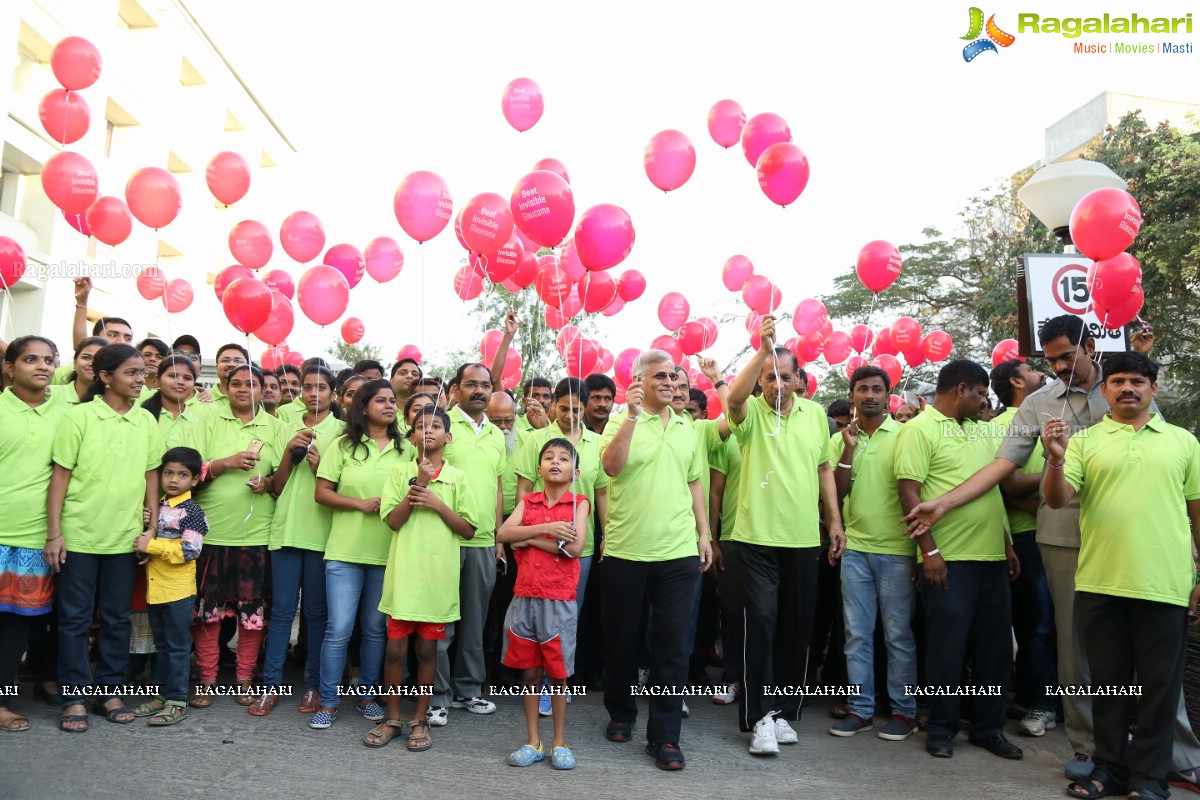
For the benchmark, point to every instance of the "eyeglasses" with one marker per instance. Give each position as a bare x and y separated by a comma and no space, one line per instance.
234,360
186,354
503,420
135,373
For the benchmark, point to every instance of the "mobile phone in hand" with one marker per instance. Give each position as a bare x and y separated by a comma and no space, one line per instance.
255,447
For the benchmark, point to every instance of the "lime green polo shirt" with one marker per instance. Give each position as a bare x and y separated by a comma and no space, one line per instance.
871,512
236,516
1134,487
481,457
26,449
708,436
109,455
941,455
523,424
1019,520
727,460
179,431
508,480
420,583
649,503
355,537
299,520
291,412
591,475
62,375
783,453
65,392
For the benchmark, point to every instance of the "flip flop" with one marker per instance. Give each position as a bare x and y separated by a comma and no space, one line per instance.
7,718
65,718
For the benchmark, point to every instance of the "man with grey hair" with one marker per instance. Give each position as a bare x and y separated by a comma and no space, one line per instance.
652,554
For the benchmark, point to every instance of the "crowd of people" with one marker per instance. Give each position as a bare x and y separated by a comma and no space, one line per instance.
895,555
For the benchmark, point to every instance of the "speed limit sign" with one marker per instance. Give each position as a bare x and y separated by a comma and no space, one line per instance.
1056,285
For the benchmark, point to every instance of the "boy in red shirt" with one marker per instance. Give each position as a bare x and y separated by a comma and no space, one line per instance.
547,530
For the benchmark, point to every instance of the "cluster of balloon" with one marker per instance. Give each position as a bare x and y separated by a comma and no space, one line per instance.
510,374
279,354
1104,224
1006,350
781,166
759,293
68,178
177,294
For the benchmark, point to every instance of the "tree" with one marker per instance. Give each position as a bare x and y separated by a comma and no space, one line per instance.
351,353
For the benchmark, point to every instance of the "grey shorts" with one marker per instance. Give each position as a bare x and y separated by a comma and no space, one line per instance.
541,633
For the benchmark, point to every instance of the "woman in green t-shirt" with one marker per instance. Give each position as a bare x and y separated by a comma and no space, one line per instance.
169,405
80,378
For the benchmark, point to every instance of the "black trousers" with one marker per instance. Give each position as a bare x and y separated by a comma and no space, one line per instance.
779,593
631,590
733,631
969,622
1134,642
14,635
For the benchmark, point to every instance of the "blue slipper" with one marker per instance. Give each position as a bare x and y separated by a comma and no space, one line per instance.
526,755
562,758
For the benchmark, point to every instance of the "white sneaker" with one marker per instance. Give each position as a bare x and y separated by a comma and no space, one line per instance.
476,705
437,716
784,734
1036,723
729,696
763,741
686,712
643,676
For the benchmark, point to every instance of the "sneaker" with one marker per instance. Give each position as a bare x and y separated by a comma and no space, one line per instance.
544,709
643,676
476,705
686,713
784,734
729,696
618,731
667,756
1037,722
1079,767
851,725
437,716
1185,779
898,729
762,740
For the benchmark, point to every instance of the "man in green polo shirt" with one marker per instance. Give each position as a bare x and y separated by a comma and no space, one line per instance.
878,565
785,469
967,563
1138,482
229,357
655,510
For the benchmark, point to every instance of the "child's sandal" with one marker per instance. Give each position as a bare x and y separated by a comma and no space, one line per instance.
172,712
149,709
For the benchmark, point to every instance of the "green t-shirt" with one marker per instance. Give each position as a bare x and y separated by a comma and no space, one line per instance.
727,460
1019,520
62,375
650,503
591,475
293,412
779,489
708,436
236,516
871,512
481,458
1134,487
180,431
26,449
65,393
508,481
299,520
109,455
420,583
355,537
941,455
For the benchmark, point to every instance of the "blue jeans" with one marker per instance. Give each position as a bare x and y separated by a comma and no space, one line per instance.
585,567
172,626
86,583
293,569
875,584
352,588
1033,624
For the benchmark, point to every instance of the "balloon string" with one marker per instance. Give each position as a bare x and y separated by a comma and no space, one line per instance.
254,432
9,317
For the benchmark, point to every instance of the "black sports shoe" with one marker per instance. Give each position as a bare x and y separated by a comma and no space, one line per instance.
667,756
618,731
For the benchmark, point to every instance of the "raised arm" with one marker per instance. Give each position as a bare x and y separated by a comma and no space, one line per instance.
497,366
79,331
616,453
743,385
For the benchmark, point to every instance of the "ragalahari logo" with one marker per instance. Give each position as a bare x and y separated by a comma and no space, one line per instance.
995,36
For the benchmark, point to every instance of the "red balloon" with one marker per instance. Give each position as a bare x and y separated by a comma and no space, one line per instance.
179,296
631,286
75,62
691,337
861,337
65,115
555,166
502,264
1006,350
937,345
272,357
568,334
782,173
280,323
837,347
1104,222
916,356
154,197
109,220
878,265
295,358
853,363
906,333
606,362
224,278
250,243
353,330
884,344
1122,315
510,376
725,122
228,177
812,386
458,230
669,345
323,294
760,132
757,293
1111,281
597,291
710,331
150,283
281,282
542,206
78,222
468,282
894,403
556,318
383,258
247,304
69,180
409,351
736,272
486,223
669,159
568,259
12,262
891,365
604,236
423,205
612,308
810,317
553,285
582,356
714,403
346,259
673,310
522,104
527,270
302,236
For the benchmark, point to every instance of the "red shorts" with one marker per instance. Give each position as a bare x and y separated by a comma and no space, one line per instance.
401,628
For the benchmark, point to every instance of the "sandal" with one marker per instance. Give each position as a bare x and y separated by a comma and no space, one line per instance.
525,755
113,714
1098,784
310,702
261,705
419,741
48,697
9,718
173,711
562,758
383,733
73,719
244,698
150,709
202,695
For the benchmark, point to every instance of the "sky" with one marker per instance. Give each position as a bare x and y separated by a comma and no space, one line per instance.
898,129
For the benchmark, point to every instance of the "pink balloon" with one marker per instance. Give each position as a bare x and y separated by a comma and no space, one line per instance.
884,344
179,296
553,285
613,308
597,291
861,337
673,310
891,365
154,197
272,357
691,337
353,330
422,205
581,357
302,236
468,282
457,226
1105,222
69,180
556,318
753,321
65,115
383,258
1115,318
555,166
510,377
76,62
937,345
502,264
837,347
568,334
543,207
568,259
757,293
409,351
522,104
323,294
894,403
760,132
1006,350
623,366
710,331
346,259
669,159
486,223
631,286
224,278
916,356
736,272
250,243
878,265
809,317
295,358
277,327
725,122
906,333
247,303
150,283
606,362
1111,281
782,173
853,363
78,221
604,236
109,220
281,282
527,271
670,345
228,177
